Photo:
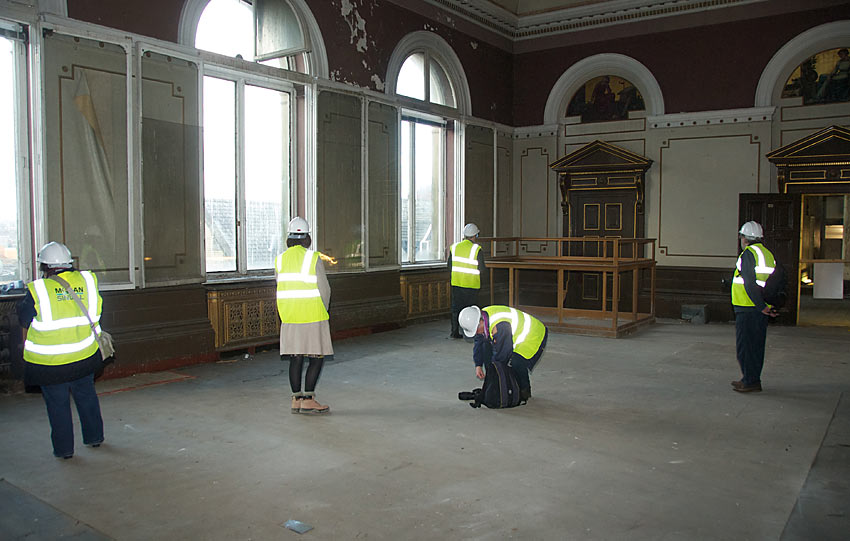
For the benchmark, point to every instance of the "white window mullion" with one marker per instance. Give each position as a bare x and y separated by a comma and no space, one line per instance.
411,197
241,207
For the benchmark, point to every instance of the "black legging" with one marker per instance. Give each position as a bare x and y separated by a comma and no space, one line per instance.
296,362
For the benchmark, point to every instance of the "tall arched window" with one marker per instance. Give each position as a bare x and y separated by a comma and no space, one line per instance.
427,76
249,124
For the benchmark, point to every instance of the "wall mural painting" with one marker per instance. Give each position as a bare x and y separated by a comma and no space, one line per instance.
605,98
822,78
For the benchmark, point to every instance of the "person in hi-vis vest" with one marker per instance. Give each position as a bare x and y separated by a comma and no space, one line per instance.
466,263
303,297
61,353
754,265
517,339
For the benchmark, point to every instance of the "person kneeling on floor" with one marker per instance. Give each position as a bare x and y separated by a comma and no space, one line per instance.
506,337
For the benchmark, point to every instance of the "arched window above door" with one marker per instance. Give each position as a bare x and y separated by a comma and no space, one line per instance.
592,70
822,78
603,98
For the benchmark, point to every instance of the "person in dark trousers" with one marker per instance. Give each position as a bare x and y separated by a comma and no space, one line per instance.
60,349
755,264
466,263
517,339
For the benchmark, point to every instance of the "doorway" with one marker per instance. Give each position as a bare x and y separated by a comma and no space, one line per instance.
824,285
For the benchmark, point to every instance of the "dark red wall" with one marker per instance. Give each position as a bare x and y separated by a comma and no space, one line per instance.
698,69
156,18
487,68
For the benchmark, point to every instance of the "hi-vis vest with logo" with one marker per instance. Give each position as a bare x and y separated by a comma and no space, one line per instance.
527,331
765,264
465,271
60,334
298,296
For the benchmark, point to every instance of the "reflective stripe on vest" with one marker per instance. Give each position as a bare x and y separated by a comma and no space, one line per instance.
527,331
465,272
59,334
298,297
764,267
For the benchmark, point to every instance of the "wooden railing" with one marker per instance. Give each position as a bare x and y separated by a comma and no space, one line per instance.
577,262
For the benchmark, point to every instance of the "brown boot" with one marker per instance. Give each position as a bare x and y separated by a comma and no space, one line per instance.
296,403
309,405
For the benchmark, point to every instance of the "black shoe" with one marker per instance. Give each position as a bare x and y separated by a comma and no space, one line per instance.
741,388
524,394
455,335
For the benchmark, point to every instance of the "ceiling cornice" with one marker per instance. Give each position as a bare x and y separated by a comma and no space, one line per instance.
519,28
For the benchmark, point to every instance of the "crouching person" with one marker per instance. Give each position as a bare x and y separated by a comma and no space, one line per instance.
506,339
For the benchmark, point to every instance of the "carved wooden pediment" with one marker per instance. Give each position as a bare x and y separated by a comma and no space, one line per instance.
600,155
817,163
601,165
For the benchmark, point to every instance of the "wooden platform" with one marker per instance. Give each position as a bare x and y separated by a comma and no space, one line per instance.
606,261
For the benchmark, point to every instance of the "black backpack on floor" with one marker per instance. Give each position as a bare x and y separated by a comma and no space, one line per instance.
500,389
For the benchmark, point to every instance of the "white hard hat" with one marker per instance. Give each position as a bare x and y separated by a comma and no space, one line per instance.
468,320
298,227
470,230
55,255
752,230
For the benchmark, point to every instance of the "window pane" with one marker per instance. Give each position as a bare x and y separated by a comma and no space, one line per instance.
170,173
441,88
86,160
383,185
428,235
8,176
220,174
278,31
406,178
338,190
411,77
266,174
226,27
478,203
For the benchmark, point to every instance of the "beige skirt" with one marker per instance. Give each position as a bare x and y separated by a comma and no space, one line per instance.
306,339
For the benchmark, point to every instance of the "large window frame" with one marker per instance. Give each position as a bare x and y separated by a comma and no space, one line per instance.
241,80
17,34
411,122
437,51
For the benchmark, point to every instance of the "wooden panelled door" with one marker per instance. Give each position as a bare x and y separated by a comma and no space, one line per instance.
779,215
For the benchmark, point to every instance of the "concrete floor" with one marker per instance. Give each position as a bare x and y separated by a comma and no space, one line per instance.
636,438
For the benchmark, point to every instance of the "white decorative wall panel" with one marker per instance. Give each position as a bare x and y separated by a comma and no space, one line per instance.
698,183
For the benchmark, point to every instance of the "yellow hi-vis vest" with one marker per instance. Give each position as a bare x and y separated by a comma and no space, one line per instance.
465,271
298,296
765,264
527,331
60,333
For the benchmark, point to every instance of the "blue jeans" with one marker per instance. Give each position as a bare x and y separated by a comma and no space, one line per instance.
522,366
58,400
